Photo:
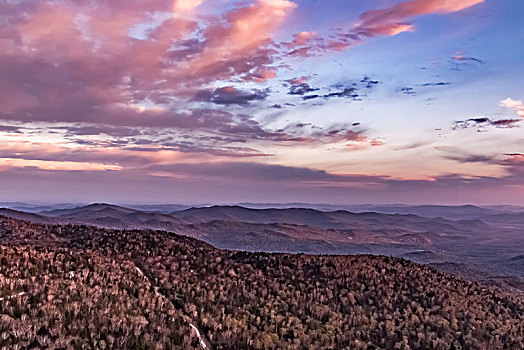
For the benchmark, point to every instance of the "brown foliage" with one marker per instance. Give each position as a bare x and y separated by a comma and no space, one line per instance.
238,300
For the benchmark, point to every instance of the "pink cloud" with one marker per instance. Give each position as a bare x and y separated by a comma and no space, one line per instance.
243,37
299,81
74,62
81,53
517,106
514,160
388,21
186,5
376,142
80,62
392,20
261,75
303,38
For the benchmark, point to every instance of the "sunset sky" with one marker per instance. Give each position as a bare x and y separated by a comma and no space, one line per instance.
325,101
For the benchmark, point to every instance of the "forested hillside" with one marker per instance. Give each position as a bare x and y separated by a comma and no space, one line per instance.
86,287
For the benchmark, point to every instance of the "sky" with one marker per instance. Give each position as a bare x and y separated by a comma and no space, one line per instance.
214,101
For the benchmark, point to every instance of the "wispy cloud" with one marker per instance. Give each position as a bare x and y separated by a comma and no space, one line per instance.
387,21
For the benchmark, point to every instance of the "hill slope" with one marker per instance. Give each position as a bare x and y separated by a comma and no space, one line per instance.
282,301
58,298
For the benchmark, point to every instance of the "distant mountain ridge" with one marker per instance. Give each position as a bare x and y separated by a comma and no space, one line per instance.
347,223
506,218
467,211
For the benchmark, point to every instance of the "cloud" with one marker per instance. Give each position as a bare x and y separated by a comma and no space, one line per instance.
376,143
260,172
10,129
471,158
514,160
303,38
109,89
137,84
100,66
505,123
310,97
238,45
212,182
440,83
408,90
57,165
414,145
349,92
186,5
298,81
484,122
342,133
75,64
517,106
230,95
388,21
300,88
459,56
395,19
368,82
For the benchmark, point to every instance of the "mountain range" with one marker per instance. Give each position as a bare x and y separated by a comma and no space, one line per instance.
473,242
